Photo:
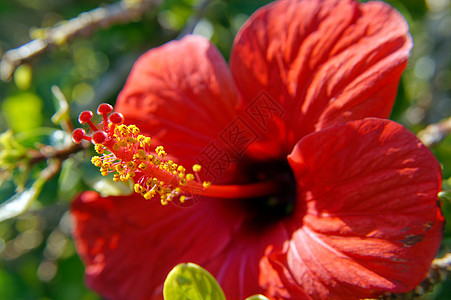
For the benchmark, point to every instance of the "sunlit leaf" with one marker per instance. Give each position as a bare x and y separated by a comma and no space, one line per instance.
21,201
190,281
107,187
23,111
8,142
68,180
257,297
20,178
43,135
445,195
22,76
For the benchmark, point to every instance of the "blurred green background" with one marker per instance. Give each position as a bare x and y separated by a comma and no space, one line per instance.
37,255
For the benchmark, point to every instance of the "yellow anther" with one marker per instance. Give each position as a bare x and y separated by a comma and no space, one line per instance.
149,195
160,151
131,165
116,178
99,148
96,161
206,184
133,129
131,140
146,142
142,154
128,156
120,169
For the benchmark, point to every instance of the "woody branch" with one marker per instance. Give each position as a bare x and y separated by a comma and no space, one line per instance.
84,24
435,133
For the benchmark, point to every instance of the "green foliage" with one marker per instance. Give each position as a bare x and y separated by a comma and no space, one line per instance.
257,297
23,111
20,201
23,76
442,151
191,282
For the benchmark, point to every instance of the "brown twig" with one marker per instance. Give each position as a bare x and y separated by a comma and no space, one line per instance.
433,134
51,153
194,19
84,24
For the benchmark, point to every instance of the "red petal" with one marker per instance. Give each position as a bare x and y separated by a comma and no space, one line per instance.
324,62
129,244
372,222
238,268
182,94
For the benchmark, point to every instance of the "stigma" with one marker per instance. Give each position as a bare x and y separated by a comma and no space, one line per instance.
129,155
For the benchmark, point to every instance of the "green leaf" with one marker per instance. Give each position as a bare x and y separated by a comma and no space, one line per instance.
22,76
257,297
191,282
445,195
107,187
68,180
22,111
8,142
20,202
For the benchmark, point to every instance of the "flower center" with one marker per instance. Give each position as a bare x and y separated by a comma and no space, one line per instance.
130,155
273,207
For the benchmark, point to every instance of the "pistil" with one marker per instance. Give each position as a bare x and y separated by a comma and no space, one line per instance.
131,155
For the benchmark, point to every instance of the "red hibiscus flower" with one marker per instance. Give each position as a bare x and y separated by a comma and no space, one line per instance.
313,196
